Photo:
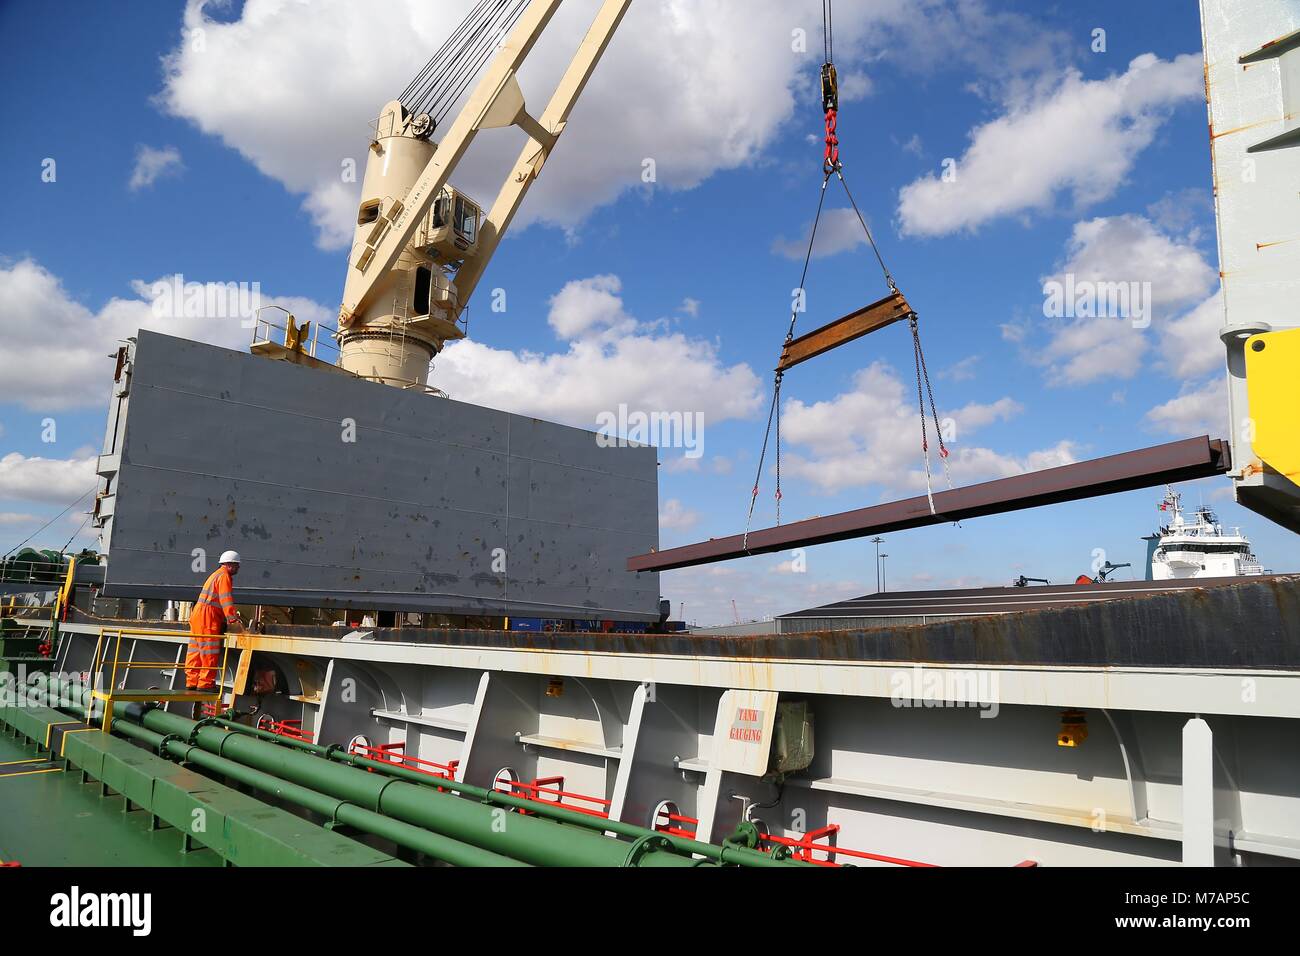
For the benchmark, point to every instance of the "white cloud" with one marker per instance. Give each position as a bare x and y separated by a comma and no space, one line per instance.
961,371
677,517
1197,410
1080,137
838,231
587,305
690,307
12,517
259,85
681,464
1191,345
154,164
871,436
1128,249
705,594
46,480
56,354
855,85
610,358
698,87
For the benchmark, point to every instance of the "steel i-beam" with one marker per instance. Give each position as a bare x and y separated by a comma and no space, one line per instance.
1161,464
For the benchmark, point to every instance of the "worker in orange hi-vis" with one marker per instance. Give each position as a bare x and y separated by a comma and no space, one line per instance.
214,613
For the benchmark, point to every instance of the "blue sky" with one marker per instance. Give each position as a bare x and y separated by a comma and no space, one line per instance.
1067,160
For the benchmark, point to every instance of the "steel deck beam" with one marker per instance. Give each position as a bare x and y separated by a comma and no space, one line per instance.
892,308
1161,464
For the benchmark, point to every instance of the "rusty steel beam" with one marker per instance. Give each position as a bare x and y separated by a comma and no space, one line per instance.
1176,461
892,308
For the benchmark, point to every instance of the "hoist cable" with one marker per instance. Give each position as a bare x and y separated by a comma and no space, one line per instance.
429,72
68,543
486,46
929,391
924,390
440,83
474,51
920,403
776,397
46,525
800,298
889,279
828,27
434,73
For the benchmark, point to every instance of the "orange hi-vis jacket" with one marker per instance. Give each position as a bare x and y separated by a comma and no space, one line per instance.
215,606
213,610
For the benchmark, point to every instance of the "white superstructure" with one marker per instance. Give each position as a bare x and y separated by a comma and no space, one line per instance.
1199,547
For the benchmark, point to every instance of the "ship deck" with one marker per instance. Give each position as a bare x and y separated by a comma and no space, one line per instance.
51,818
1224,624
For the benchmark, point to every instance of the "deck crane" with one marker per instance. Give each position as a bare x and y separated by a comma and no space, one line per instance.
420,245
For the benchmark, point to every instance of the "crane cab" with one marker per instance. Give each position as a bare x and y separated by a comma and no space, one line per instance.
449,232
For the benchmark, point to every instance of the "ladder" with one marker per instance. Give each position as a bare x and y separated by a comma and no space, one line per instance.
108,655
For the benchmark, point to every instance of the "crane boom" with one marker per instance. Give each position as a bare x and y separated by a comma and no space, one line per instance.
535,152
386,237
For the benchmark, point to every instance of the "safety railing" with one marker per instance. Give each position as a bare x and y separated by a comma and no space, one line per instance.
265,331
824,841
675,824
108,655
284,728
395,753
553,788
807,846
32,572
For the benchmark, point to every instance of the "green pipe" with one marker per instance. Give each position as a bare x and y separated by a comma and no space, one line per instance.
729,855
403,834
733,855
531,839
527,838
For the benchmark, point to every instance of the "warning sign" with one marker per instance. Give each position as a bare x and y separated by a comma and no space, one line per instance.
743,732
748,725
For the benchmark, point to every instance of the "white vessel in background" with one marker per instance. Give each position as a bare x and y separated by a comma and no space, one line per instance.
1199,547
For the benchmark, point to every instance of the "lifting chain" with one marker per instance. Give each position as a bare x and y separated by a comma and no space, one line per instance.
923,376
831,104
831,166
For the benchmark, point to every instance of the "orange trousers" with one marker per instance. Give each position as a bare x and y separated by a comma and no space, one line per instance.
201,660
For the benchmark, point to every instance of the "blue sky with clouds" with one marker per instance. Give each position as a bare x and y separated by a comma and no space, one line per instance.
207,141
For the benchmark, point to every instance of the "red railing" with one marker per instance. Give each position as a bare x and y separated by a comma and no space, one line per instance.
806,846
396,754
286,728
672,824
555,787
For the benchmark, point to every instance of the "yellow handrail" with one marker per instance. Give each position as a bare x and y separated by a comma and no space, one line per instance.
112,694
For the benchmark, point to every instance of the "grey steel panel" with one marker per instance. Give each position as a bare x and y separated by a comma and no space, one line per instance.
222,449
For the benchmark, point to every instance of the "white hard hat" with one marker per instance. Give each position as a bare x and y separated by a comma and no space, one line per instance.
229,557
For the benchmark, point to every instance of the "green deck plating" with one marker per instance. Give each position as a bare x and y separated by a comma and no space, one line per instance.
51,816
